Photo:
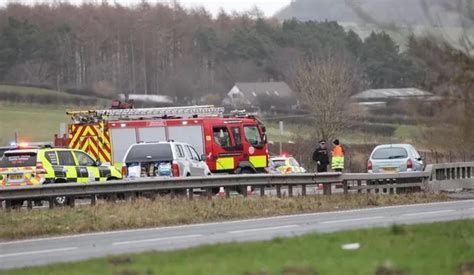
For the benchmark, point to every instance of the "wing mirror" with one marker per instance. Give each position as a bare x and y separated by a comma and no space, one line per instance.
98,163
264,139
203,157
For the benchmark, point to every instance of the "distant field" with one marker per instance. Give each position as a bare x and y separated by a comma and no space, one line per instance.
439,248
403,134
35,113
32,122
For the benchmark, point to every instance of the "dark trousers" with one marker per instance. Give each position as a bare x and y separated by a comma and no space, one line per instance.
322,168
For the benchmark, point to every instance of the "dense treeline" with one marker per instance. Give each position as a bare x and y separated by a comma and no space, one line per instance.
161,49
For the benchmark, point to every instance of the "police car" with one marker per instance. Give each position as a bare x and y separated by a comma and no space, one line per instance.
285,164
25,167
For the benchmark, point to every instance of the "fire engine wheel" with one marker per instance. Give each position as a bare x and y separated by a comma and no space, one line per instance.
215,191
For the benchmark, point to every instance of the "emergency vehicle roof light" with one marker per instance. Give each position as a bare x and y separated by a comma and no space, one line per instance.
146,113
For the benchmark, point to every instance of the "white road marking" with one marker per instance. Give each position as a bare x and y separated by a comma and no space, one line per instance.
354,220
159,239
233,222
38,252
263,229
429,213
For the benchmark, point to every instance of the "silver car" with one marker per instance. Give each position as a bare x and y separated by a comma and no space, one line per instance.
395,158
163,159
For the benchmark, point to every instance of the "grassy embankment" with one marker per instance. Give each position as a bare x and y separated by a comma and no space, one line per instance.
19,224
35,113
32,122
439,248
402,134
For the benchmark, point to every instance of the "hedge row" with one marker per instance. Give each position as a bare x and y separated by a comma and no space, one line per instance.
47,99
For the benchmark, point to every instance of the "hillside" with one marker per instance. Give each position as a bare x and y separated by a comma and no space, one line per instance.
36,113
408,12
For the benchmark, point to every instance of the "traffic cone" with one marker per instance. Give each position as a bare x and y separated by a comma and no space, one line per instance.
221,193
249,191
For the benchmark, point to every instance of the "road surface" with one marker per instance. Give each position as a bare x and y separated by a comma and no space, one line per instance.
44,251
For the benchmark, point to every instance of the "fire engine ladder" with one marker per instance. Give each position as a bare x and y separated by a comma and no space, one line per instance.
148,113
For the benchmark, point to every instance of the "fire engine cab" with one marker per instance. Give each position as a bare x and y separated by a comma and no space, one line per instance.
234,143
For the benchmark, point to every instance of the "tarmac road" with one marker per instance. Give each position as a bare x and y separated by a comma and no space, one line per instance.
44,251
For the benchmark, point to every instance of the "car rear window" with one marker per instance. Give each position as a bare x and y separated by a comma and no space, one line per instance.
279,163
149,152
390,153
3,150
18,159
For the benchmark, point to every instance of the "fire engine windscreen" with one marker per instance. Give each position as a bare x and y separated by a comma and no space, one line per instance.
253,135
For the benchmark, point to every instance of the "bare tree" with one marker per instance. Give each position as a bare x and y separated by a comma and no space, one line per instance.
325,86
453,61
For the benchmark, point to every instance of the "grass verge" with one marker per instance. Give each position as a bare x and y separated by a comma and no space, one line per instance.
144,213
32,122
440,248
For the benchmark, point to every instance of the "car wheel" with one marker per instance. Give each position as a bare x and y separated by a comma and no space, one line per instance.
61,200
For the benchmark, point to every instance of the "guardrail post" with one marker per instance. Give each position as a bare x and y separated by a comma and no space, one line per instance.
190,193
51,202
345,186
227,192
29,204
290,190
8,205
262,191
93,200
278,189
327,188
303,190
209,193
112,198
72,201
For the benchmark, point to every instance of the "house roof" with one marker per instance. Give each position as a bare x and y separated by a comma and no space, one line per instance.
391,94
254,89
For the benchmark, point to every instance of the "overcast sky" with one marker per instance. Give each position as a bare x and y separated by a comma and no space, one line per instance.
269,7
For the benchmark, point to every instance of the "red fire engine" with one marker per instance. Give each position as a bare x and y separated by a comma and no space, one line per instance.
234,143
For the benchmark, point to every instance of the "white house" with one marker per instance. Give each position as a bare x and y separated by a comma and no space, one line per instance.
256,94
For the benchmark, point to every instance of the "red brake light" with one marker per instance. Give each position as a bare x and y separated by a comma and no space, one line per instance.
409,164
124,170
370,165
40,168
175,169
